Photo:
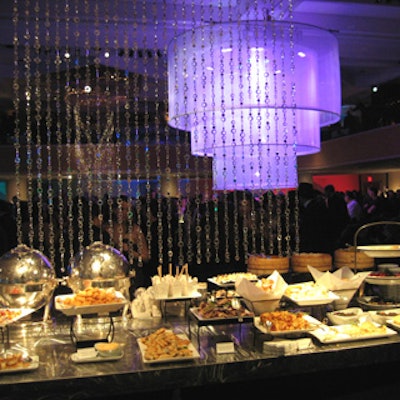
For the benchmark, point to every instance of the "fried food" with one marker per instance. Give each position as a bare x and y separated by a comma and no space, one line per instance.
91,296
164,344
285,321
12,360
7,315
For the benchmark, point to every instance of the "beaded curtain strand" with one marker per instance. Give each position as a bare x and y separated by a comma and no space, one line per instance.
108,133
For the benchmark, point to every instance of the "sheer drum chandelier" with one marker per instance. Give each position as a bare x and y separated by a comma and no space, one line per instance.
253,95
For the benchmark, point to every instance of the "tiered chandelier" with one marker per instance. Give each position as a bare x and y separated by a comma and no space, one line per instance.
253,95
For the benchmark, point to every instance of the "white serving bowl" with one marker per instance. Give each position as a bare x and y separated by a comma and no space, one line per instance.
345,316
108,349
382,316
345,296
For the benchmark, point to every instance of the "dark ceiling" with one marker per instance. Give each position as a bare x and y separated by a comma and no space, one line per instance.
367,31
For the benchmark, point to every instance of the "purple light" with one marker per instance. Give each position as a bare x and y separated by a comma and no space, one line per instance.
255,167
251,93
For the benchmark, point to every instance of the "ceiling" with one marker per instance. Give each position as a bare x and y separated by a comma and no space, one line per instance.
367,31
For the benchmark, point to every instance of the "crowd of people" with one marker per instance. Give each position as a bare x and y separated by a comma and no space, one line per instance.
208,235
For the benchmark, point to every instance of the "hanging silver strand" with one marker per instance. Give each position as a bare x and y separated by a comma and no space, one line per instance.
17,131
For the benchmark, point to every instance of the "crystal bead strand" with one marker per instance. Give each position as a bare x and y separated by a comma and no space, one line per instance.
37,183
59,206
28,99
17,130
50,97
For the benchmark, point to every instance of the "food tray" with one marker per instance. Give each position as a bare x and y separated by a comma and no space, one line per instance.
90,355
375,303
89,309
393,324
221,284
195,353
228,284
288,333
246,316
381,250
7,317
313,301
383,280
337,334
383,316
32,365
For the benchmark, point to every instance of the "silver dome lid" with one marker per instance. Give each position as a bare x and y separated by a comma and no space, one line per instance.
98,265
27,278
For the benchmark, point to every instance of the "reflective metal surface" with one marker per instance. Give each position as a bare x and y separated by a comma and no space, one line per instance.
99,265
27,278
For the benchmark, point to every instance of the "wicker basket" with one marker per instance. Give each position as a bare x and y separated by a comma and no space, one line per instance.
265,265
300,261
345,258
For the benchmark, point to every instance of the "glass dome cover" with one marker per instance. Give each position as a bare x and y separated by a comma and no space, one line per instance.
27,278
98,265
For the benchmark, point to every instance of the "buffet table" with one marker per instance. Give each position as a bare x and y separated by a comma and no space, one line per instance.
333,368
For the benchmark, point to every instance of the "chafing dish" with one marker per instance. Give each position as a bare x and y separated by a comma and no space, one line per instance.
27,278
99,265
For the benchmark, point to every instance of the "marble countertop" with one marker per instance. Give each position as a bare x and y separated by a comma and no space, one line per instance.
59,377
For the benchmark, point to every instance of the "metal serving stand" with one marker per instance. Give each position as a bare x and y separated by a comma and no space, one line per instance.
376,251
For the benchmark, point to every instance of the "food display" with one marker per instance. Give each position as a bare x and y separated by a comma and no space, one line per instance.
309,293
90,296
107,349
264,294
164,345
382,316
345,316
351,332
266,284
221,293
10,315
230,279
394,321
90,301
93,355
284,321
376,303
383,278
221,308
14,360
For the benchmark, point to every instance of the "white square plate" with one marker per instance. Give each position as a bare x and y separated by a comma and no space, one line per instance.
32,365
195,353
313,321
339,333
89,309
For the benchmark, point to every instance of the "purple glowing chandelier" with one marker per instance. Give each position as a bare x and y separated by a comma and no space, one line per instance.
254,95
